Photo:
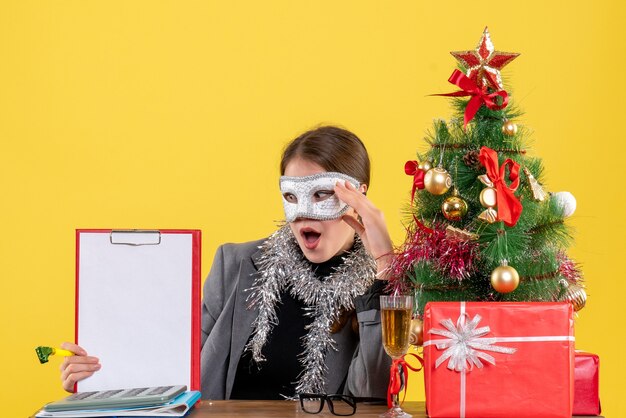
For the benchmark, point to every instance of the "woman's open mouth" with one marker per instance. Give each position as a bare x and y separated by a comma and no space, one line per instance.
310,237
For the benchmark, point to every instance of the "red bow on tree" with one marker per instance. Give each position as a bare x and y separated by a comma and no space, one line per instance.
509,206
399,376
479,95
411,168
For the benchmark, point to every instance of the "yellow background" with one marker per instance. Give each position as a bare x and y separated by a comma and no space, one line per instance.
172,114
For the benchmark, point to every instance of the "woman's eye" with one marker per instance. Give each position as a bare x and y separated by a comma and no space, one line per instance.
290,197
322,195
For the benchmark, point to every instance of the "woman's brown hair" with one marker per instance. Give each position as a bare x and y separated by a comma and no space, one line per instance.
333,149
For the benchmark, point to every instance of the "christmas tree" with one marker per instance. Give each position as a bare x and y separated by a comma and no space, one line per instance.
482,227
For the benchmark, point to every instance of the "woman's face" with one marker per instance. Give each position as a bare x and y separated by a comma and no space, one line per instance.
318,240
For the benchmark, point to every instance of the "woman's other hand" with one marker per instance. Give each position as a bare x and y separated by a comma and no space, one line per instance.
77,367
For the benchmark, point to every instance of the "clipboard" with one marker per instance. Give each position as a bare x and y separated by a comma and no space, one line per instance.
138,306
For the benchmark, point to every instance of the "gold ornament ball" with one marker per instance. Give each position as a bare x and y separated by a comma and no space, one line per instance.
416,336
509,128
454,208
437,181
425,165
488,197
504,279
577,296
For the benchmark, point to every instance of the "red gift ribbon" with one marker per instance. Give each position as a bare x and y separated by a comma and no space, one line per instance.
395,378
422,226
479,95
509,206
411,168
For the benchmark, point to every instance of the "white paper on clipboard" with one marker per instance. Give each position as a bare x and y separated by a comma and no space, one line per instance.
138,307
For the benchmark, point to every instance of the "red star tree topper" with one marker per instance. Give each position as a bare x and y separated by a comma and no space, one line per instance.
484,63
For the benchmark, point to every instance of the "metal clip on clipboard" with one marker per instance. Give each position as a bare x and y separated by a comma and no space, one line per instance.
135,237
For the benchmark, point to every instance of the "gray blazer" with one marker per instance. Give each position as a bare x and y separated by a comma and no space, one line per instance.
227,325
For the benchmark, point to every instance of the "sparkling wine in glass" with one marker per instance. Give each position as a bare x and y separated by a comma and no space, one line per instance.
396,314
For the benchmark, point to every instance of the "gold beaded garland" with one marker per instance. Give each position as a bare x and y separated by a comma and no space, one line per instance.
437,181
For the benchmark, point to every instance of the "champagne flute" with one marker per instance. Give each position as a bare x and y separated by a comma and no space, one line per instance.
396,314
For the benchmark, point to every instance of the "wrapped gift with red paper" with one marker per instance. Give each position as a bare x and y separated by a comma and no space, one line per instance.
586,388
499,359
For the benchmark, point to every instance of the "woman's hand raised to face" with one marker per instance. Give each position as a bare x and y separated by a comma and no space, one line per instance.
78,367
372,228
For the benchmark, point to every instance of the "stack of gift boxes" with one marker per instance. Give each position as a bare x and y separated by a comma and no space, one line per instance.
486,360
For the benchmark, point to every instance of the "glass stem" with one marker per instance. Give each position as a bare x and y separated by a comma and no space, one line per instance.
396,401
396,397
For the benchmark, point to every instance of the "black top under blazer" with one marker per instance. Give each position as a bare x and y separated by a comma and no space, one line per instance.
360,364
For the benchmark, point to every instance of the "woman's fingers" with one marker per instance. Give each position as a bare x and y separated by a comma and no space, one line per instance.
78,360
354,223
78,367
72,379
77,364
76,349
348,194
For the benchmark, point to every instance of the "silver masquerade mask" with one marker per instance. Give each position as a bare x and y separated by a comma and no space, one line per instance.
313,197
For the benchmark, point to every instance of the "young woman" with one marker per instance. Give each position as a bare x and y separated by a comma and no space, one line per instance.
297,312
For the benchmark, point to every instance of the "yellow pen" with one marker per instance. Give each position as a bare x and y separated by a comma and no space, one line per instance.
44,352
